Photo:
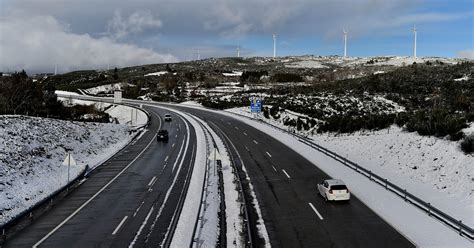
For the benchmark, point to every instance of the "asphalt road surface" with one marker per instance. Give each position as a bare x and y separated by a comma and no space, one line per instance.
295,215
130,200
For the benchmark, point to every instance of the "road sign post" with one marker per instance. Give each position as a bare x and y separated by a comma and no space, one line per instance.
69,160
215,155
256,105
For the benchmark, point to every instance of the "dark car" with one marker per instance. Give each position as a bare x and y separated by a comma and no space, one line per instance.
162,135
167,117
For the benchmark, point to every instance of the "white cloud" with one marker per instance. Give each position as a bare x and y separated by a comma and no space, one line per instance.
136,22
37,43
466,54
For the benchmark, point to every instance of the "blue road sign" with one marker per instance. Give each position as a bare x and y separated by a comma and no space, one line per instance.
255,105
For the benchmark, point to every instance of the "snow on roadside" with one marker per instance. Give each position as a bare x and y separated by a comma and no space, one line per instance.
121,113
184,229
433,169
234,222
32,152
107,88
414,223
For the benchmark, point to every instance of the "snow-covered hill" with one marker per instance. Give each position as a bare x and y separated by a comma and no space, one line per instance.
32,151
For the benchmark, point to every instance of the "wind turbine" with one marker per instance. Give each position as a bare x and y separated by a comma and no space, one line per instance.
345,42
56,69
238,51
274,45
414,42
198,53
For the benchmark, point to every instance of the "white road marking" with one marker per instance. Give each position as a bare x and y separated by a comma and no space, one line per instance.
151,181
176,136
268,154
173,145
119,225
284,171
246,148
96,194
166,159
138,209
274,168
236,128
245,133
254,141
315,210
181,150
141,227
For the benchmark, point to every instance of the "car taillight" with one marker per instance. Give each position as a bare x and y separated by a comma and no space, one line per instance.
330,191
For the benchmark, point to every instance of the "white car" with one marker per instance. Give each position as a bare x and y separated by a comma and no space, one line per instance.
334,190
167,117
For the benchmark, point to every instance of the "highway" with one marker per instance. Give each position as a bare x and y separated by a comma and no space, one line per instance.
128,201
285,186
131,200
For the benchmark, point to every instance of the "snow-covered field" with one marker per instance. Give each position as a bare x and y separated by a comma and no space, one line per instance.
33,149
325,61
108,89
159,73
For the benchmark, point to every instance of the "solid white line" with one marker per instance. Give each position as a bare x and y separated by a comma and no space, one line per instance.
141,228
96,194
269,154
315,210
151,181
138,209
119,225
274,168
166,159
175,177
254,141
245,133
286,174
181,150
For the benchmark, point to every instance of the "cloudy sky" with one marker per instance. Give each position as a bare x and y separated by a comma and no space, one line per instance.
36,35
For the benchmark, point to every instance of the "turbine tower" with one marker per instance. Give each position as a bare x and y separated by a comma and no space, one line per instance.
345,42
238,51
274,45
414,42
56,69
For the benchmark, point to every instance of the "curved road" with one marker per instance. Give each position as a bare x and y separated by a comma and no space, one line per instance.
140,187
285,186
129,200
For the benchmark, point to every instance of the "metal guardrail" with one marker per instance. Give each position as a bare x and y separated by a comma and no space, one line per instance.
457,225
241,188
47,202
40,206
201,210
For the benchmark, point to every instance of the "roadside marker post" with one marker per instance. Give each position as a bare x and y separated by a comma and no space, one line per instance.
69,160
